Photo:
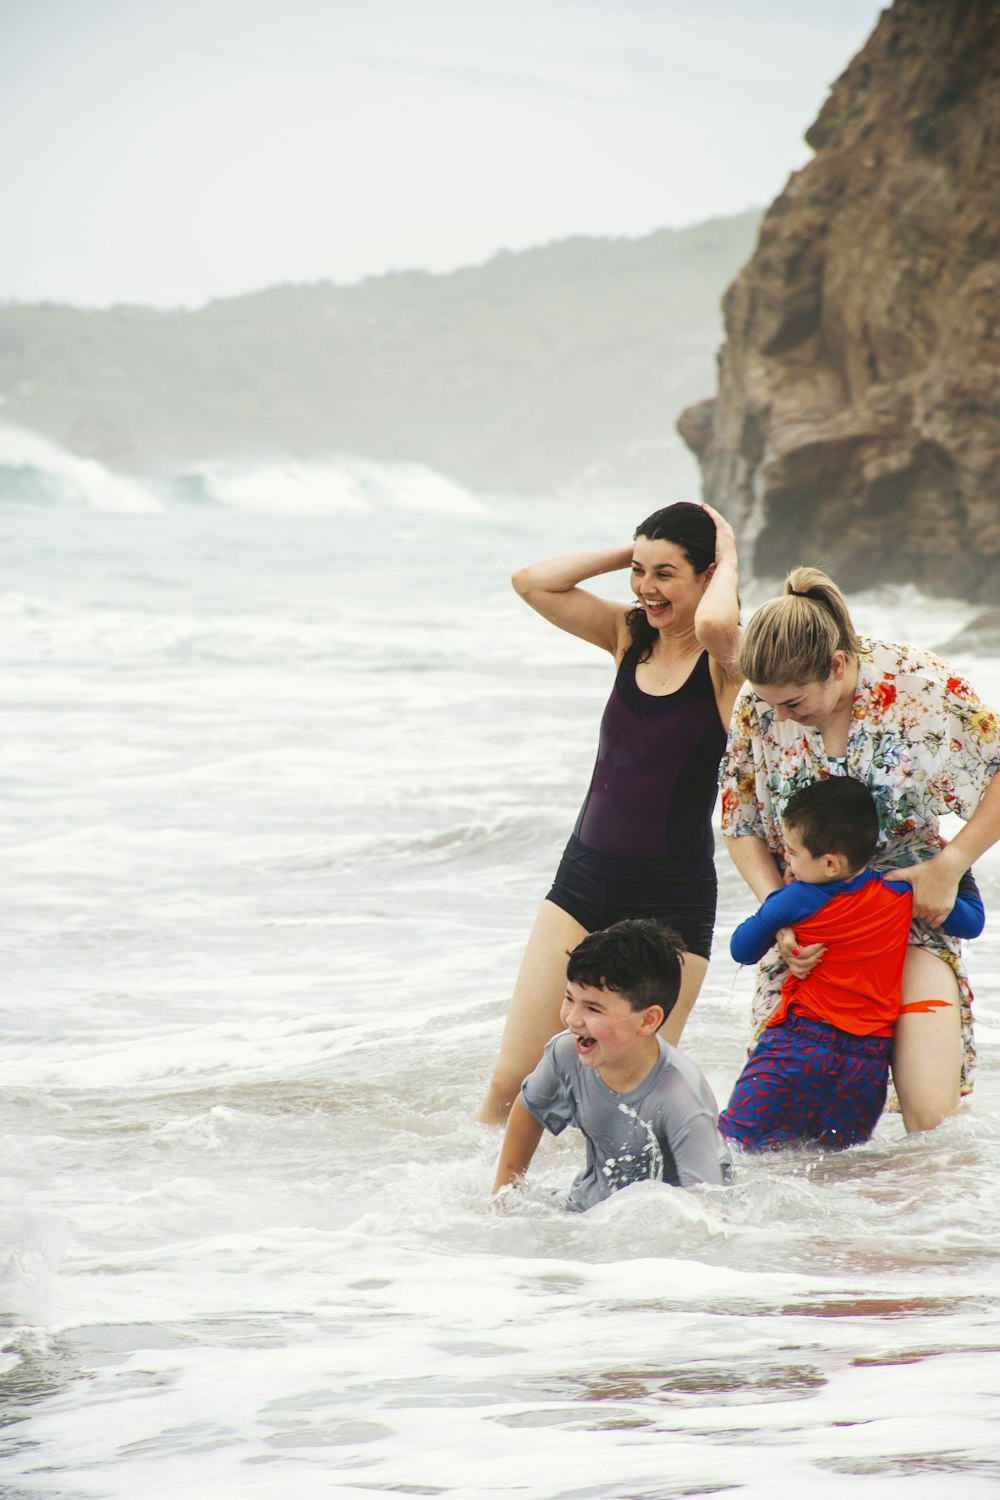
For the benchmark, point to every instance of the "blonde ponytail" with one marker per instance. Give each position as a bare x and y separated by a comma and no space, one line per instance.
792,639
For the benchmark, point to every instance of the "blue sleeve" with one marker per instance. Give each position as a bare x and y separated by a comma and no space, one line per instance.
967,917
793,903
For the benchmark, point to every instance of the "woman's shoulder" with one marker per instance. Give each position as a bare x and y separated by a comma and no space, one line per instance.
910,666
894,656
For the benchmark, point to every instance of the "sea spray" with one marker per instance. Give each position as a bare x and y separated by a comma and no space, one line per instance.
626,1168
233,923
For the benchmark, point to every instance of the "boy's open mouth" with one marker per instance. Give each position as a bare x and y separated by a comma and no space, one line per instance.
585,1043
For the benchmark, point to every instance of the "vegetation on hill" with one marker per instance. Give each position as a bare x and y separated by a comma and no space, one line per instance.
543,369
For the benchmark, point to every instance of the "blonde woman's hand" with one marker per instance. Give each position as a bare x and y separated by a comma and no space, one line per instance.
935,887
800,961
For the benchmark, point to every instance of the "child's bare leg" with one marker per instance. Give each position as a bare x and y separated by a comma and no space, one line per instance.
693,971
533,1016
927,1044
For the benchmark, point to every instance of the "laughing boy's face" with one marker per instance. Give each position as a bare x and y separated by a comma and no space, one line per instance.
605,1027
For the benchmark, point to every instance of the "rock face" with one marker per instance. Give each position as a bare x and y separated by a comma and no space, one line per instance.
857,421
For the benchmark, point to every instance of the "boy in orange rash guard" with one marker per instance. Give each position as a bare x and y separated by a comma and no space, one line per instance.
820,1069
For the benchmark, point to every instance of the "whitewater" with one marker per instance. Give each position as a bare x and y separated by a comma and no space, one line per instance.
287,768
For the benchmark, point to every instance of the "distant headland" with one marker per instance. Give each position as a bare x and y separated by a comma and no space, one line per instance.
560,368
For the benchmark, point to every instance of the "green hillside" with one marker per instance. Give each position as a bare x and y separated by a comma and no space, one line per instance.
541,369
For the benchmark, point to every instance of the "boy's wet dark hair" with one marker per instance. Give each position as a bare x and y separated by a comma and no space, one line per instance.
639,958
836,816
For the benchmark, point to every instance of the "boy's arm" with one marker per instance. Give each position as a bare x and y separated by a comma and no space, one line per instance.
783,908
699,1152
520,1142
967,917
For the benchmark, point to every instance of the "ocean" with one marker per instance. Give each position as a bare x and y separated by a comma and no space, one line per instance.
287,769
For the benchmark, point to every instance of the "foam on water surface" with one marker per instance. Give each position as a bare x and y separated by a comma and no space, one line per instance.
286,778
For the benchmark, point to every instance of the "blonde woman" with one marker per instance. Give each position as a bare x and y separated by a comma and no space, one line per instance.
823,701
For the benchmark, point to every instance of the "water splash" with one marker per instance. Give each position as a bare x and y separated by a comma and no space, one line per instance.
627,1168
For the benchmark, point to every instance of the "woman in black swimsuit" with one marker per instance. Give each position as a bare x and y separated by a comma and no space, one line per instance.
643,842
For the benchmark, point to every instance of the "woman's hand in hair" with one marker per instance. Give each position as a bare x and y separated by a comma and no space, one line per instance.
725,537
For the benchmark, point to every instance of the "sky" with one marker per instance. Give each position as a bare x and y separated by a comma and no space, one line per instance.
173,151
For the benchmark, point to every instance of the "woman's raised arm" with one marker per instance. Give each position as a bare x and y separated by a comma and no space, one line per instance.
552,587
717,618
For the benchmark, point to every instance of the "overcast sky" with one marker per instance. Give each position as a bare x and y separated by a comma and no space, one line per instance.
171,151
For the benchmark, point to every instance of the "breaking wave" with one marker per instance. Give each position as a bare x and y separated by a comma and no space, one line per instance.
34,471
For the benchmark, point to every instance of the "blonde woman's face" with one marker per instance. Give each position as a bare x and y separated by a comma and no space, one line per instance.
809,703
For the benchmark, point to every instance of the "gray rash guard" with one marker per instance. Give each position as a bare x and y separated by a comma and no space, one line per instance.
665,1129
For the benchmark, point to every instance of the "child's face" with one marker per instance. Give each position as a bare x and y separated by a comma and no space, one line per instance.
814,869
604,1024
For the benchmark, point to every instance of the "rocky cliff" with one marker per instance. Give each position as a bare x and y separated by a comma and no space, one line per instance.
857,421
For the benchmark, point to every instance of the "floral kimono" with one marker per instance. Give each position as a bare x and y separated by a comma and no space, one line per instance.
922,742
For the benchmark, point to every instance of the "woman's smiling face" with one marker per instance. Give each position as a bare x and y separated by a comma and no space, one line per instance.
665,583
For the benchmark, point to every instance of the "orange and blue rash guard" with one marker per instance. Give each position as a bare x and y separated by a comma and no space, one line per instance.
864,924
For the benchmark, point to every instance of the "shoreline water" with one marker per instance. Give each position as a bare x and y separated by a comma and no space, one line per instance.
282,796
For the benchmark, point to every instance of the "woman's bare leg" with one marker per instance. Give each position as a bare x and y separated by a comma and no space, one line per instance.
693,971
533,1016
927,1045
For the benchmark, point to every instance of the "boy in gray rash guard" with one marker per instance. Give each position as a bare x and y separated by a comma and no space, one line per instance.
645,1109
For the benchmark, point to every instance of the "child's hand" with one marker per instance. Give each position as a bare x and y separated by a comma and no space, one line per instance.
504,1199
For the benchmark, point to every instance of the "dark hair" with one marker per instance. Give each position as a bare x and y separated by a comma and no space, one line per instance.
793,638
639,958
835,816
689,527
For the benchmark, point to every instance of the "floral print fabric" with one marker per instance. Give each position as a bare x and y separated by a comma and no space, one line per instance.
919,738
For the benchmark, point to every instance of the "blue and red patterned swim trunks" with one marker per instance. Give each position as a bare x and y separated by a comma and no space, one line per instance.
807,1081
